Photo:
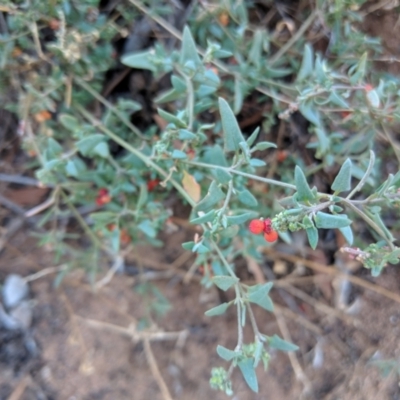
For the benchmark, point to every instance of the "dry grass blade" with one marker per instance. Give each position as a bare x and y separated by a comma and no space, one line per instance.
331,270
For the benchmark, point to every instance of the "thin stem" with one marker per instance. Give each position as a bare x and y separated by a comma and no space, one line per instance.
190,101
365,177
137,153
224,260
239,319
233,171
84,225
254,323
293,39
392,142
370,222
113,109
227,198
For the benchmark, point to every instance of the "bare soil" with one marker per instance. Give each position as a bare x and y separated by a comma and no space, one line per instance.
80,346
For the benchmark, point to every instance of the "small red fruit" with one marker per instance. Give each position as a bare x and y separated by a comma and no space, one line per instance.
271,236
267,225
256,226
152,184
103,197
368,87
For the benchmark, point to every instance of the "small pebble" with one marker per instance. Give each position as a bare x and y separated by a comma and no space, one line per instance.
15,289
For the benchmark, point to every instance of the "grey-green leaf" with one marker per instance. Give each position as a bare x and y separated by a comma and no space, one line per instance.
225,353
214,195
218,310
232,133
204,218
310,112
342,182
240,219
87,144
171,118
245,197
102,150
258,294
347,232
330,221
312,234
178,154
142,60
249,374
224,282
221,175
304,192
277,343
307,65
189,51
263,146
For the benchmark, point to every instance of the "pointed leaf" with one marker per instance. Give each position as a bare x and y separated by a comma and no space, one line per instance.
171,118
204,218
186,135
307,65
249,374
258,294
277,343
232,133
189,51
240,219
217,310
225,353
252,138
342,182
142,60
263,146
312,235
304,192
102,150
347,232
214,195
224,282
247,198
256,48
311,113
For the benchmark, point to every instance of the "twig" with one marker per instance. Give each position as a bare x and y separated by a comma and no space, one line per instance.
41,207
298,370
331,270
118,265
155,370
293,39
22,180
321,306
44,272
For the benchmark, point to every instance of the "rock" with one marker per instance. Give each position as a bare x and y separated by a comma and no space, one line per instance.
15,289
23,314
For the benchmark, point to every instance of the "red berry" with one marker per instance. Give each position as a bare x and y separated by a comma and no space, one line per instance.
102,197
256,226
368,87
271,236
267,225
152,184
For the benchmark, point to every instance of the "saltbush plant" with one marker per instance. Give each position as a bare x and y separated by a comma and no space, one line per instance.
54,56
